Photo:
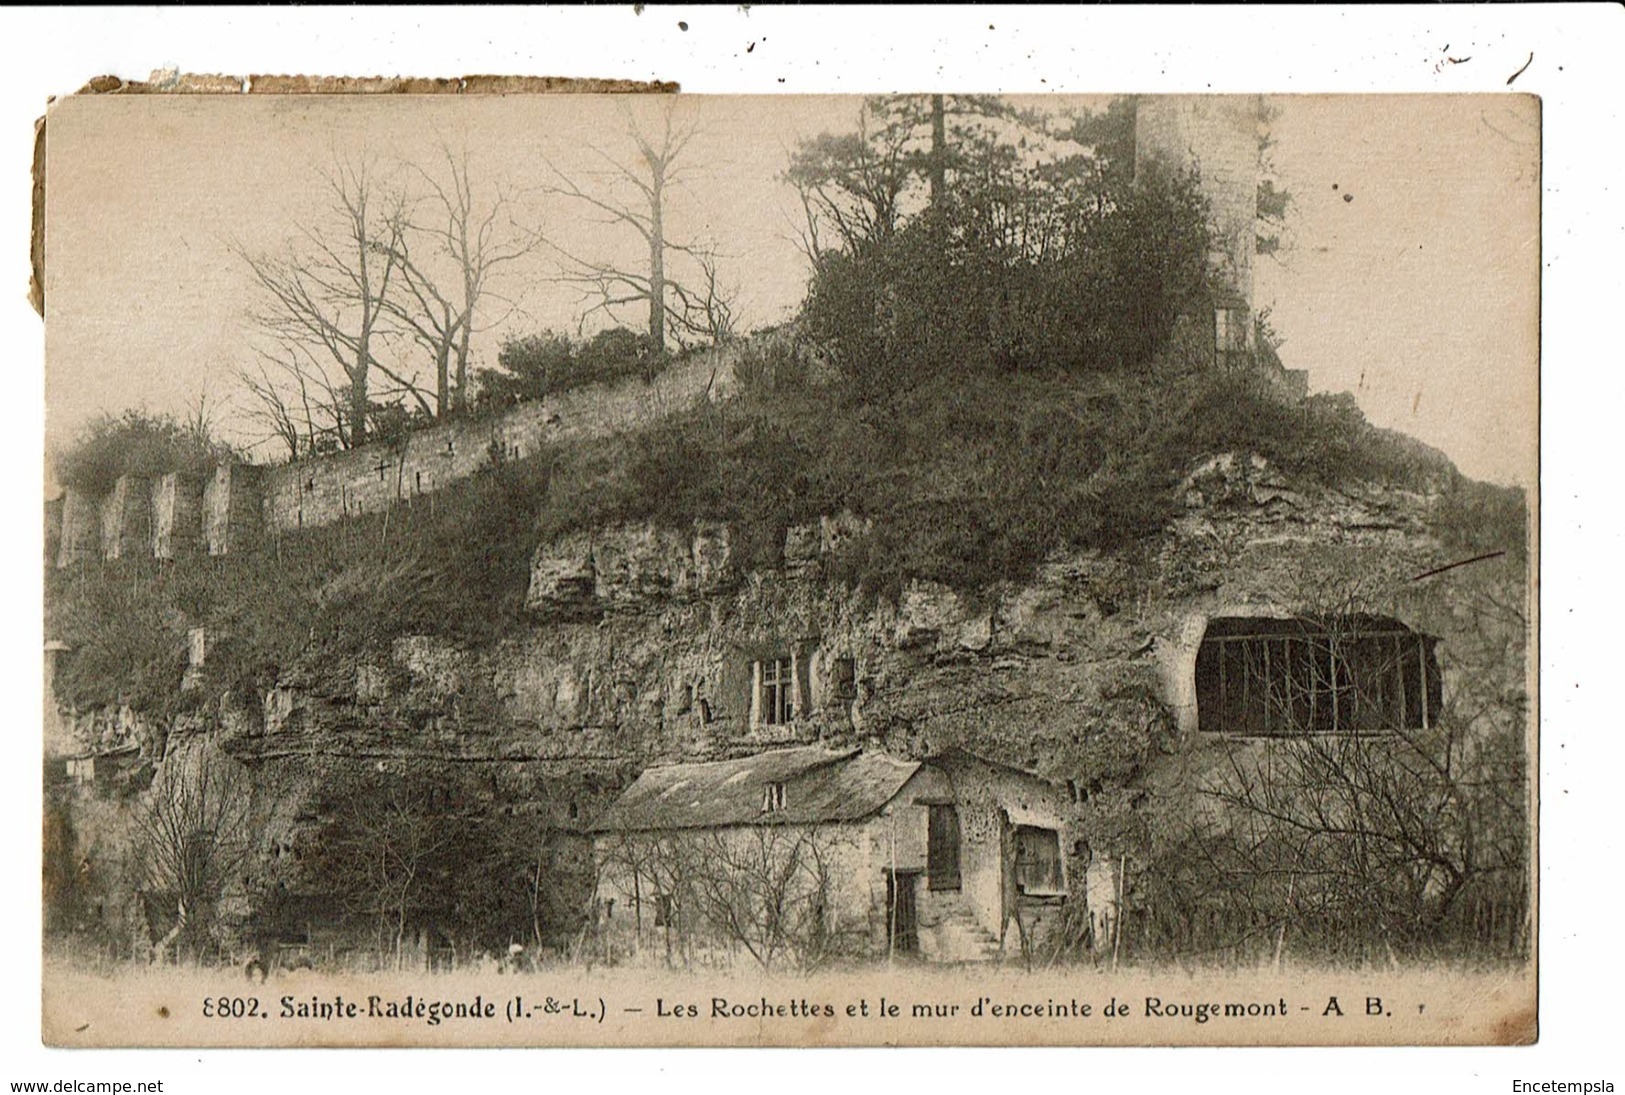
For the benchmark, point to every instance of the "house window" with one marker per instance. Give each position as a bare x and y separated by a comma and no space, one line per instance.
775,691
665,911
1347,675
1038,860
773,798
942,848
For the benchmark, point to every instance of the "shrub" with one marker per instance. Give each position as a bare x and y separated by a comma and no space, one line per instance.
535,366
137,443
1324,437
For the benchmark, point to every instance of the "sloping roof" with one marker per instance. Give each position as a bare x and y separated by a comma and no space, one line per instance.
958,753
819,785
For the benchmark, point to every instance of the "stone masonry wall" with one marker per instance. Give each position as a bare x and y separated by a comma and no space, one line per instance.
374,477
81,537
232,511
232,520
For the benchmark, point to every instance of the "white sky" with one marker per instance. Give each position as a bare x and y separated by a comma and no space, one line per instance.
1419,294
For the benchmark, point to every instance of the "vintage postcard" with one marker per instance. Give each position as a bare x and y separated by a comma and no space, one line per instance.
616,567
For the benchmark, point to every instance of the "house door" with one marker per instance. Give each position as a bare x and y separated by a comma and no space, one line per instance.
942,848
902,922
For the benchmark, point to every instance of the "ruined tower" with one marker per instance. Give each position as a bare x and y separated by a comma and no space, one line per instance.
1219,137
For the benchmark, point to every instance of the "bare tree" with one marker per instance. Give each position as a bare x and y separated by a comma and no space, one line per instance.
292,402
768,889
322,300
385,851
454,244
192,843
634,196
1376,820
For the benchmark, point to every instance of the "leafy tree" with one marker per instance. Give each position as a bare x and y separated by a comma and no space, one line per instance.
532,366
1004,240
611,354
525,366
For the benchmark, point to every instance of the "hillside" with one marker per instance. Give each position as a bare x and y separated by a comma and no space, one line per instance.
968,482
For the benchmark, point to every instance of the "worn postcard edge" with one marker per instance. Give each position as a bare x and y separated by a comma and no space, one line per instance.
190,83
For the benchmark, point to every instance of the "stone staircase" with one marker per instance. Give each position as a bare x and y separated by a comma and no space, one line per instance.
950,932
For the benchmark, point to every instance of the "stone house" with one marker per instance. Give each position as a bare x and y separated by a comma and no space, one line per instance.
809,854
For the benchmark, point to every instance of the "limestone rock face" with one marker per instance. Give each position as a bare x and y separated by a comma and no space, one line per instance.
629,568
647,643
927,615
562,578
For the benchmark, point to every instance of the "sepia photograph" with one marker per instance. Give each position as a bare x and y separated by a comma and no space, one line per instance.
612,543
1001,558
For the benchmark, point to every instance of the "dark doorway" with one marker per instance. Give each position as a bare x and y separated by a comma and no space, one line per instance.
942,848
902,922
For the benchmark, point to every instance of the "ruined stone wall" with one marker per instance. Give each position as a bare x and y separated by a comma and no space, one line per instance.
232,519
126,519
81,537
1218,136
53,530
177,516
237,506
374,477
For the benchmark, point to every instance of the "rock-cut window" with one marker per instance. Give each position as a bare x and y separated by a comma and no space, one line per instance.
773,798
775,691
1343,675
